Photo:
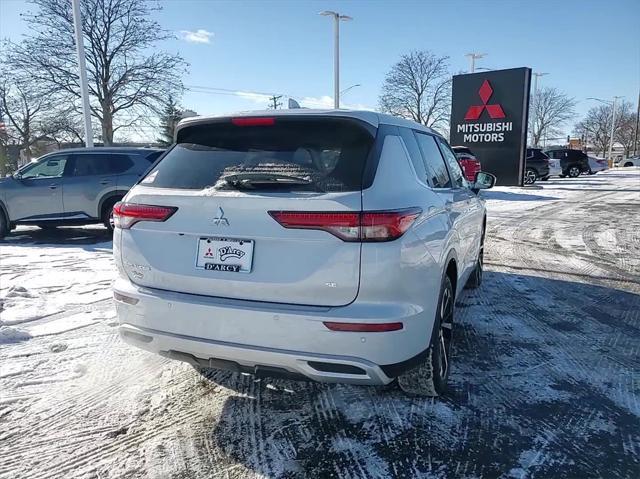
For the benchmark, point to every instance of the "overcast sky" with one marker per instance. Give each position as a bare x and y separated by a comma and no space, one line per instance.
589,48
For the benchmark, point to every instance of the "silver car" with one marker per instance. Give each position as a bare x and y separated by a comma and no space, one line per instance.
71,187
328,245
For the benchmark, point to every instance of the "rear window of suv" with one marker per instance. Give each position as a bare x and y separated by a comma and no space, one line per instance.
325,155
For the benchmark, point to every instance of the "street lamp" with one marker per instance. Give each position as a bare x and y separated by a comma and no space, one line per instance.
473,57
82,70
336,52
613,121
536,75
349,88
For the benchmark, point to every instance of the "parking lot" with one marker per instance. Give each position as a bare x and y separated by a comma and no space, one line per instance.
545,379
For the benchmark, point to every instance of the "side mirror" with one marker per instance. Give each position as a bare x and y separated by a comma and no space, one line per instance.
483,181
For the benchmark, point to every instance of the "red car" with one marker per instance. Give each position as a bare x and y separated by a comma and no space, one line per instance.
468,162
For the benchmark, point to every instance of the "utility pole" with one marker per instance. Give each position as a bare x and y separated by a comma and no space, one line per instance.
82,67
473,57
336,52
274,101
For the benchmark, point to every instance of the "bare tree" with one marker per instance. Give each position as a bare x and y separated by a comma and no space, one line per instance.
595,127
24,105
550,110
418,88
126,71
625,127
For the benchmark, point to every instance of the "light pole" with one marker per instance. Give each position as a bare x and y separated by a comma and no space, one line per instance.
473,57
536,75
336,52
349,88
635,136
82,67
613,121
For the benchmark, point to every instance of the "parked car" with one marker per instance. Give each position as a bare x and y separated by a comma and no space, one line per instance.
572,162
71,187
468,161
536,166
597,164
275,244
633,161
554,167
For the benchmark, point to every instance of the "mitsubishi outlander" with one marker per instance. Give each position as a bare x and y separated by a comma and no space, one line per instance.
323,245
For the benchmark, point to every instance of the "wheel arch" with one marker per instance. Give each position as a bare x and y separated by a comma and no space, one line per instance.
5,212
116,194
451,270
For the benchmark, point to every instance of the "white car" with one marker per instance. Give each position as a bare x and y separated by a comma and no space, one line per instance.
554,167
634,161
597,164
327,245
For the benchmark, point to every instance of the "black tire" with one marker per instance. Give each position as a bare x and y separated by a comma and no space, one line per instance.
107,213
475,280
574,171
530,176
590,172
4,225
429,378
628,163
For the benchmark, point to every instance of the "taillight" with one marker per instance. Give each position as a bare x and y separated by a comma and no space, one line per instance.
365,226
254,121
125,215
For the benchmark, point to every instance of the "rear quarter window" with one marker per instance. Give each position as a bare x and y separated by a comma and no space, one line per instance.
329,153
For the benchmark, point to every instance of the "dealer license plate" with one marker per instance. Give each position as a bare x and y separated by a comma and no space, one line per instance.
225,254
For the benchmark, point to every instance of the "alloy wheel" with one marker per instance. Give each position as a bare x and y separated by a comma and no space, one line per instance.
446,327
574,172
529,177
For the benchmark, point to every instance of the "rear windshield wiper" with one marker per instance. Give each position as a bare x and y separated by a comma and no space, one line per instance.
251,180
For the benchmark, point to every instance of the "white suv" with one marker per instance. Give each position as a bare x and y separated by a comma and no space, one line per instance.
327,245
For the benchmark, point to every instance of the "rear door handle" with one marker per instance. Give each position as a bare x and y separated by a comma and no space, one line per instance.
105,182
53,187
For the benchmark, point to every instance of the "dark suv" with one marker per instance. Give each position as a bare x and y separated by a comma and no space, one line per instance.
71,187
536,166
572,162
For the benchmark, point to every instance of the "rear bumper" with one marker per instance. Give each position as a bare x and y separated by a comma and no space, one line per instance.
272,339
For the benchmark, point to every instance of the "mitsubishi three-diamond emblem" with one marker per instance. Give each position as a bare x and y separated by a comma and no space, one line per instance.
495,111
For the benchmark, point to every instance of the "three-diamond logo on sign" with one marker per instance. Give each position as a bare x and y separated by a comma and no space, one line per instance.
495,110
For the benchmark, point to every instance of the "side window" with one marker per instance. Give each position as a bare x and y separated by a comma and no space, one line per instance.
52,167
436,169
452,162
414,153
88,164
151,157
119,163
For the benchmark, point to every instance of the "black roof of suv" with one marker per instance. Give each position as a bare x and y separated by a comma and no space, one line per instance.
572,162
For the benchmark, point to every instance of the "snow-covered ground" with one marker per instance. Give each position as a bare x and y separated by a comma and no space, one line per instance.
546,379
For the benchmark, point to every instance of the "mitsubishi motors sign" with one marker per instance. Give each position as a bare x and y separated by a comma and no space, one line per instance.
489,115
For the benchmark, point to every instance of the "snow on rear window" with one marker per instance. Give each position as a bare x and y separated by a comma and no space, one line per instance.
329,154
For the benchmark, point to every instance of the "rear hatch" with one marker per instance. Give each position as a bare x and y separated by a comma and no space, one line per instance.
224,181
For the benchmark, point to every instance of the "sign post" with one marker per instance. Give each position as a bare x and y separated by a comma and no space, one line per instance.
489,115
